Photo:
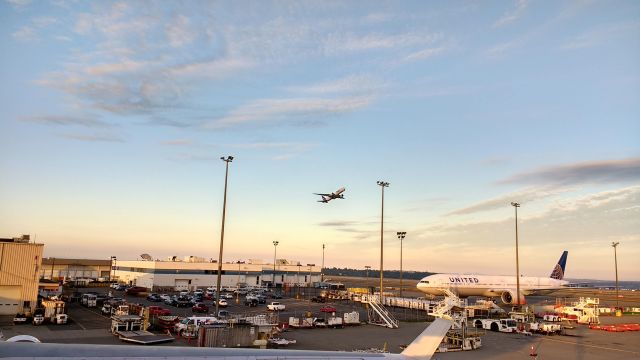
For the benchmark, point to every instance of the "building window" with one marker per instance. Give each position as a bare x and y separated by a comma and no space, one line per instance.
26,305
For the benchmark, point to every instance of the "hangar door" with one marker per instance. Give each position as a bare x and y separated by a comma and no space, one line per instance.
182,284
9,299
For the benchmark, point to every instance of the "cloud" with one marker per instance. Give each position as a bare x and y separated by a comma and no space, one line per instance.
512,15
177,142
19,4
349,84
94,137
502,201
66,120
341,223
601,35
591,172
179,32
348,42
278,111
26,33
273,145
425,53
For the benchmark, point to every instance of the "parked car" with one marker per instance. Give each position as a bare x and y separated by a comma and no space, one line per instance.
136,290
158,311
261,299
223,303
121,287
200,307
226,296
183,293
171,300
154,298
319,299
276,295
223,313
275,306
251,302
328,309
164,297
182,301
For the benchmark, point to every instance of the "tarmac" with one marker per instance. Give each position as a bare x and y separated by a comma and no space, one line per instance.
88,326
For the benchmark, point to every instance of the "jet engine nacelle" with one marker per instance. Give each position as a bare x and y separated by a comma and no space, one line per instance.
508,297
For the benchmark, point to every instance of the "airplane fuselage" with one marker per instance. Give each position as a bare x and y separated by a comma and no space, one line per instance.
485,285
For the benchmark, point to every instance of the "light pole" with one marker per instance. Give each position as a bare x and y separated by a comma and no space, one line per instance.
401,235
227,160
367,267
382,185
298,283
113,267
516,206
322,269
275,246
615,257
237,284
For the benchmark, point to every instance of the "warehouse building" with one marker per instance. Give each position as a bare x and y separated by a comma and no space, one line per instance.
196,273
73,269
20,263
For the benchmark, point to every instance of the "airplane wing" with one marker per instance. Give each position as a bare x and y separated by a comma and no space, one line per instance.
422,348
322,194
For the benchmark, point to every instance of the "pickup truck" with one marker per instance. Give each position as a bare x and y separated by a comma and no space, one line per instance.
158,311
275,306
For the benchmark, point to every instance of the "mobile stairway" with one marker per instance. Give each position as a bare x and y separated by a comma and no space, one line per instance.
378,314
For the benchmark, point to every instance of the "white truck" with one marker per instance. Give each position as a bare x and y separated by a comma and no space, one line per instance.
545,328
275,306
502,325
190,325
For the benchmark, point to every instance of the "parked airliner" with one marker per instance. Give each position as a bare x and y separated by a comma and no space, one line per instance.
422,348
495,286
334,195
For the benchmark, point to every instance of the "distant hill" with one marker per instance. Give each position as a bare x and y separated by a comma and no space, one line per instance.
391,274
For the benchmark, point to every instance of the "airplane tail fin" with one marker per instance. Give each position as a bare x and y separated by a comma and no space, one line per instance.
423,347
558,270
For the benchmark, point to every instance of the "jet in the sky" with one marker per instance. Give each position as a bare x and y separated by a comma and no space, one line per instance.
495,286
334,195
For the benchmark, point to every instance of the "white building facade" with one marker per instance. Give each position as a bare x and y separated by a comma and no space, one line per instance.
182,275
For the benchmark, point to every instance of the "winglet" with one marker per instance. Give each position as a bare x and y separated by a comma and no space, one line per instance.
558,270
426,344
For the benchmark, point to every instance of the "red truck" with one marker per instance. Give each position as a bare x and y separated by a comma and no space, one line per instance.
158,311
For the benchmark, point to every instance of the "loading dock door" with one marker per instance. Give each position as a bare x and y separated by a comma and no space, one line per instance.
181,284
9,299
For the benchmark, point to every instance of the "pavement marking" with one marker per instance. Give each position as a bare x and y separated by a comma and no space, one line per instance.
593,346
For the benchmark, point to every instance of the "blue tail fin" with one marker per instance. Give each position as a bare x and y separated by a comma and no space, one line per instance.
558,270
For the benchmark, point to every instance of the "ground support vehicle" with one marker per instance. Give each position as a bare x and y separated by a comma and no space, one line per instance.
189,326
545,328
502,325
53,308
275,306
158,311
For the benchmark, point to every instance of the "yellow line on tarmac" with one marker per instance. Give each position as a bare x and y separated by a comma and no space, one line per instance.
593,346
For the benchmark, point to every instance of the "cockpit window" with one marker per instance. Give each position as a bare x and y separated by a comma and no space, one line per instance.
424,281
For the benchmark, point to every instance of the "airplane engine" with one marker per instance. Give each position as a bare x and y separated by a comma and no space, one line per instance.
508,297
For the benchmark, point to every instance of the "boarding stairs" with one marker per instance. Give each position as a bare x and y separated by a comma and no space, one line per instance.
379,315
451,308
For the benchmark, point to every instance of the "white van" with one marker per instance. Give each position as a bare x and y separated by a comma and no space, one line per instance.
194,321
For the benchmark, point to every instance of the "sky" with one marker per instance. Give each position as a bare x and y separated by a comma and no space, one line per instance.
115,116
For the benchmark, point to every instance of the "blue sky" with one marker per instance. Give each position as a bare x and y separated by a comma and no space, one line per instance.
115,115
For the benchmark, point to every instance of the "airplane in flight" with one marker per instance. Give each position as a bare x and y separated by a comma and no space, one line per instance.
422,348
334,195
495,286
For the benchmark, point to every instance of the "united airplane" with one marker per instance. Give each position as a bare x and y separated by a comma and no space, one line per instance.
334,195
422,348
495,286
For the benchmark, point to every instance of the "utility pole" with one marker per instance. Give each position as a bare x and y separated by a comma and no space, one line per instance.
322,270
516,206
275,246
227,160
401,235
382,185
615,257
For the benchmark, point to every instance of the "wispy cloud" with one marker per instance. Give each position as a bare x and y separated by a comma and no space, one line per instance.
426,53
273,145
25,33
590,172
337,43
178,142
66,120
282,111
601,34
512,15
501,201
360,84
19,4
93,137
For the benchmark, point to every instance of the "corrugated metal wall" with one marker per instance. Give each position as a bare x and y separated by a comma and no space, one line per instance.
222,336
20,265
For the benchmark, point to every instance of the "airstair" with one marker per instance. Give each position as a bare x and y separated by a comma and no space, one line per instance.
379,315
451,308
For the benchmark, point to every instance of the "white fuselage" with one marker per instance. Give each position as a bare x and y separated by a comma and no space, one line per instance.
485,285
